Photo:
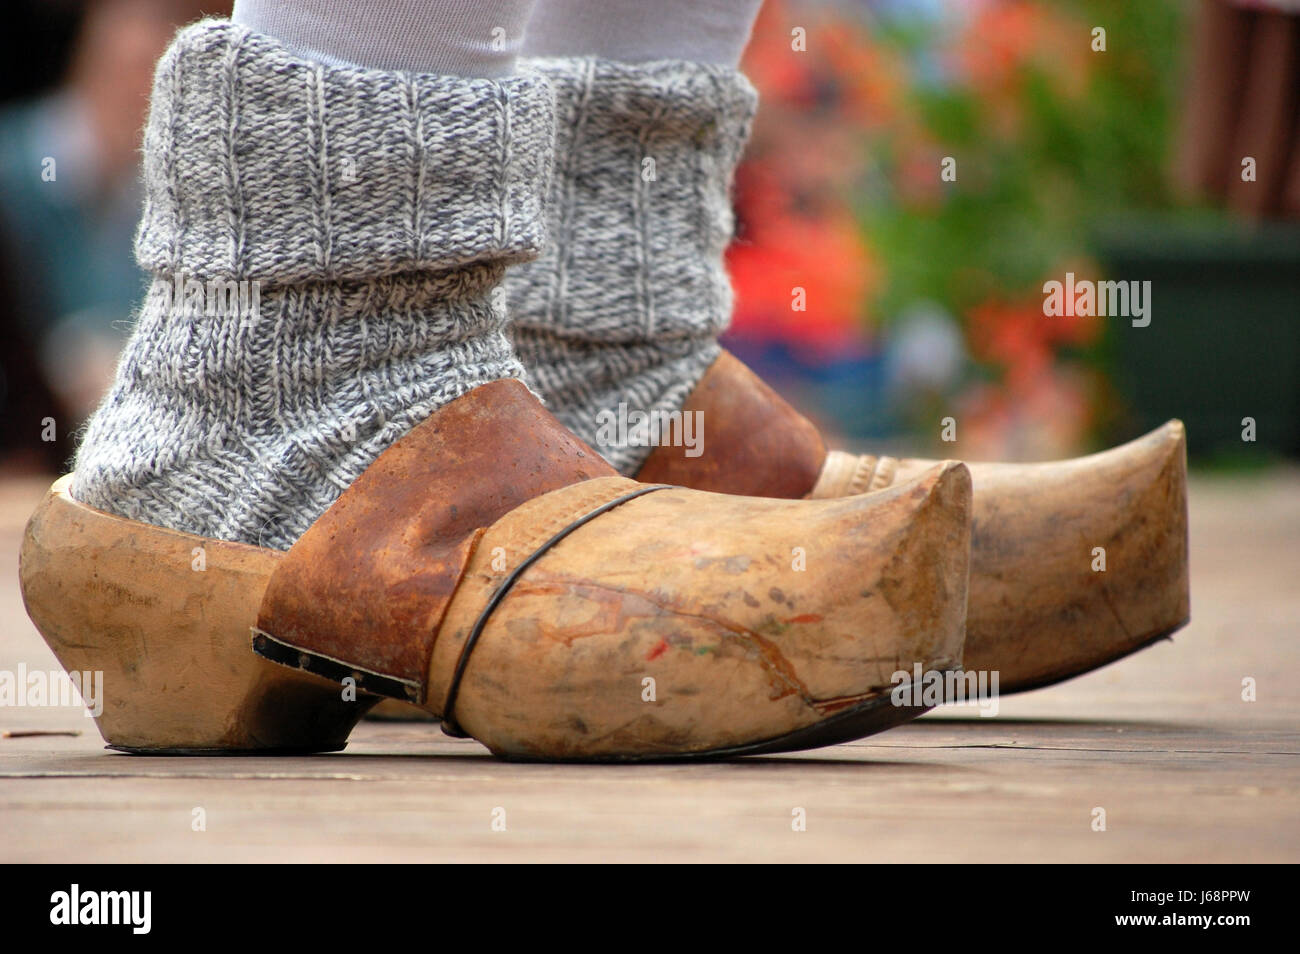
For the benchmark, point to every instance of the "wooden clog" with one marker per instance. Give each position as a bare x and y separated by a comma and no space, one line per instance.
491,569
1074,563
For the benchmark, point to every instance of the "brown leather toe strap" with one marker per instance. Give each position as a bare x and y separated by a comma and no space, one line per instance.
449,724
364,591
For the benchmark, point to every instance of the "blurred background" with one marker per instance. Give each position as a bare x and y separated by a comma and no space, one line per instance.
1120,154
74,90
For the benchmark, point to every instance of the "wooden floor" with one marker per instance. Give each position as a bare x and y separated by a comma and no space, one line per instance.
1184,769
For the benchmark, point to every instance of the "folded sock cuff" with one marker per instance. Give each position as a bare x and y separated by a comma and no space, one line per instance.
260,164
706,105
640,209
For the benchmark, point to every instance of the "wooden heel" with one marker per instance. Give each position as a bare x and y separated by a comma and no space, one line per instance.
166,617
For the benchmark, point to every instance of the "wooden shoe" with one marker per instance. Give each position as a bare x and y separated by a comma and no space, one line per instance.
493,570
1041,610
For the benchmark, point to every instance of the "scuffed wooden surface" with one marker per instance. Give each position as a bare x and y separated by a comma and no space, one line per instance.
1184,769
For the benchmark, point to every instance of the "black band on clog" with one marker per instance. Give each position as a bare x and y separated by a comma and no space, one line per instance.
449,724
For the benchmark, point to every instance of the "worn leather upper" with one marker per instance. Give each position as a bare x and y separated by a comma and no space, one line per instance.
370,581
754,443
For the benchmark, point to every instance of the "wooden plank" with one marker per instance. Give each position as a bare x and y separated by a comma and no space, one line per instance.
1184,768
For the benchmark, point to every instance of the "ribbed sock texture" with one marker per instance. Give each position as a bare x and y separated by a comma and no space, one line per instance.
625,303
477,38
377,211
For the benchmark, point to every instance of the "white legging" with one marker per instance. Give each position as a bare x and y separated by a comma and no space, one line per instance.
484,38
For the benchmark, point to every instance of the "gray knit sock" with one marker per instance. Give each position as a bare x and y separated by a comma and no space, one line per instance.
372,216
625,304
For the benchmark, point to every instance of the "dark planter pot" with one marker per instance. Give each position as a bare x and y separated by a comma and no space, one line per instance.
1224,339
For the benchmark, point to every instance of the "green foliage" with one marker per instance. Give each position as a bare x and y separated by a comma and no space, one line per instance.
1049,150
